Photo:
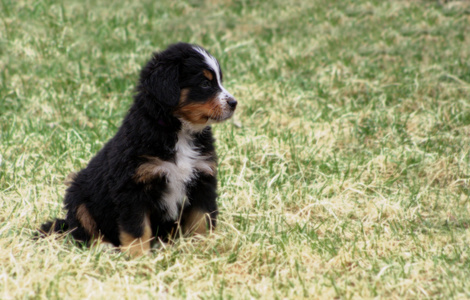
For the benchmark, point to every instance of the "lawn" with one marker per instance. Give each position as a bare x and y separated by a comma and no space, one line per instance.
344,174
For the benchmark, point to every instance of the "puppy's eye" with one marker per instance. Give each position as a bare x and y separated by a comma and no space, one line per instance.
205,84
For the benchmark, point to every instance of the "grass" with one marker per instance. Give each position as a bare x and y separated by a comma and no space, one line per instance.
345,173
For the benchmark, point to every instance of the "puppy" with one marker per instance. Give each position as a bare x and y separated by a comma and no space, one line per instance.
157,175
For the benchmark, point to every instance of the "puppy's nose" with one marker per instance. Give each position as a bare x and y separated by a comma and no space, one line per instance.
232,103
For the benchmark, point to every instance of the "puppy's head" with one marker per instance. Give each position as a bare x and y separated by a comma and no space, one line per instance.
203,99
188,80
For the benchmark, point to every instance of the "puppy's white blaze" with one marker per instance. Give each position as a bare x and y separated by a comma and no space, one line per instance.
210,61
213,64
180,173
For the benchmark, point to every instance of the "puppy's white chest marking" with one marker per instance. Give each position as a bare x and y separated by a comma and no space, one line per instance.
178,174
187,163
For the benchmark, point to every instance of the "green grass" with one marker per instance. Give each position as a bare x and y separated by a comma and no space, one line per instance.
344,174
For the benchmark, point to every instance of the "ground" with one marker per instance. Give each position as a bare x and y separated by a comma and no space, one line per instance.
344,174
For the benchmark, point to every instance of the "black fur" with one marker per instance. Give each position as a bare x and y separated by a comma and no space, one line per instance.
59,226
114,200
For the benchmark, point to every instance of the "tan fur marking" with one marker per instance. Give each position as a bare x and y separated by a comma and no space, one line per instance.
199,113
208,74
195,222
137,246
184,95
149,170
87,221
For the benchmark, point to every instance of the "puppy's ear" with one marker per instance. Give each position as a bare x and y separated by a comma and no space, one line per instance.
163,83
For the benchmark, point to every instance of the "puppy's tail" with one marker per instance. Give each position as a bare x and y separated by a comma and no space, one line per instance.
56,226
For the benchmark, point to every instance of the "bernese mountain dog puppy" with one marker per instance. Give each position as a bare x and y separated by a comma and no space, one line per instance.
157,176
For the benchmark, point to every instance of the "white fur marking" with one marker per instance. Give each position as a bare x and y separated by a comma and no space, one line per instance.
187,161
214,65
211,62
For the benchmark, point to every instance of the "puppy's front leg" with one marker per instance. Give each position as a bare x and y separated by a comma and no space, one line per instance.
200,216
196,221
135,232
